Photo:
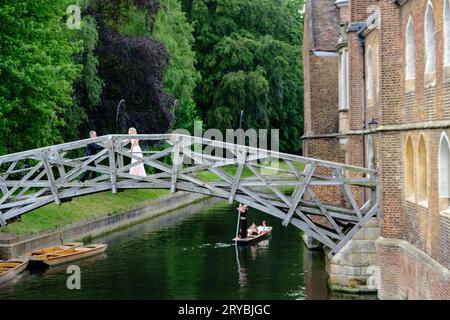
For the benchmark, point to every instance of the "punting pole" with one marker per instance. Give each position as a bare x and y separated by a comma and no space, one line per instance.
237,227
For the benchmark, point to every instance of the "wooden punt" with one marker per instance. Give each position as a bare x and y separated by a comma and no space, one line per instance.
67,256
12,268
54,249
253,239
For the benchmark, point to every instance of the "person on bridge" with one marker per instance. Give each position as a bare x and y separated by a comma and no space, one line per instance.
91,149
136,151
243,230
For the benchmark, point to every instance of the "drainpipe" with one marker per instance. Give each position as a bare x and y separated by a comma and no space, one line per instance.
362,43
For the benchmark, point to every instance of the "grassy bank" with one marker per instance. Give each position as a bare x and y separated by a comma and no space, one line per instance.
87,207
53,216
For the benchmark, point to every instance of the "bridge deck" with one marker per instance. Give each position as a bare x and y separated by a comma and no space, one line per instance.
329,201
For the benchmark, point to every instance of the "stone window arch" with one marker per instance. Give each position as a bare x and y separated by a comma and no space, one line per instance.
447,33
430,43
409,169
444,172
370,74
410,56
422,187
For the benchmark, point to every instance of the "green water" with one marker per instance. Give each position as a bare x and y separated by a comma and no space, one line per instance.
188,254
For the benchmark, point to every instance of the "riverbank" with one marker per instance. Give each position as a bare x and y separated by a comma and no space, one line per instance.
87,217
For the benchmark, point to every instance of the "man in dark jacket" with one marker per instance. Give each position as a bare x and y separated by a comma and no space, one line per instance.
91,149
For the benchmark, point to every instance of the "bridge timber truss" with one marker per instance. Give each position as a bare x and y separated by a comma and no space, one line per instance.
328,201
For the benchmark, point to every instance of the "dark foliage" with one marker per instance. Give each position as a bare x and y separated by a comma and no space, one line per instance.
132,69
115,10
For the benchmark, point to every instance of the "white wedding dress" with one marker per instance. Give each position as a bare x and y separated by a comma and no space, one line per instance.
139,169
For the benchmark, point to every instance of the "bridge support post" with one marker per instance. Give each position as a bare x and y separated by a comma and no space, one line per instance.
177,163
112,165
355,265
51,177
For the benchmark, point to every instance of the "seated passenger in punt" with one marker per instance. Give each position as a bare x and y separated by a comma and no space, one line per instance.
252,231
263,228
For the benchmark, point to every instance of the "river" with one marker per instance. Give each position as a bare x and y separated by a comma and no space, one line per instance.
188,254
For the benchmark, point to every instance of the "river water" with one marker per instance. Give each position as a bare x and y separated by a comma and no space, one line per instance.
188,254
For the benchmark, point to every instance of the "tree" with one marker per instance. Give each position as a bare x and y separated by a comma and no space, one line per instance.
249,57
132,69
180,76
36,73
88,88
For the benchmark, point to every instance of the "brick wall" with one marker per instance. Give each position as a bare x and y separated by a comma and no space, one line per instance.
416,268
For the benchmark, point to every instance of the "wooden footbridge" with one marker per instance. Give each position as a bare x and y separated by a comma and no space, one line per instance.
328,201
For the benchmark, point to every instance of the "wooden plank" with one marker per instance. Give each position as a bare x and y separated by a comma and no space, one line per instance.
50,177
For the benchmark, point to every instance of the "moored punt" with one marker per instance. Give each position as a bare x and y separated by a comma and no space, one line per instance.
66,256
252,239
54,249
12,268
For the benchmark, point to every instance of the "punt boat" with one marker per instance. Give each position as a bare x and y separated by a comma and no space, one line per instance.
253,239
54,249
67,256
12,268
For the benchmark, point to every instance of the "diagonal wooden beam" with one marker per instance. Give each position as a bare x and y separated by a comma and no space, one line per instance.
324,211
309,171
268,184
237,178
348,193
50,177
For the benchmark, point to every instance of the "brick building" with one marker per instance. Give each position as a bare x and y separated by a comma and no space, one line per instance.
377,94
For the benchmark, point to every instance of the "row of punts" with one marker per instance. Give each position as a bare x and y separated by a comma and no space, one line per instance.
48,257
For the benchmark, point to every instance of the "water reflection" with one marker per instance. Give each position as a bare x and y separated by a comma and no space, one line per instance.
246,253
187,254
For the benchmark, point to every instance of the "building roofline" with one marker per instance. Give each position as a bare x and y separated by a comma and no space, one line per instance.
341,3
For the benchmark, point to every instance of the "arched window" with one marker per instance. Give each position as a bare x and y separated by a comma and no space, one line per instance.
369,74
410,51
447,33
430,41
444,172
422,188
409,174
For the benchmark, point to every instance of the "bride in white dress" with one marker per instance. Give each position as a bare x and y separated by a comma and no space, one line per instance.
135,150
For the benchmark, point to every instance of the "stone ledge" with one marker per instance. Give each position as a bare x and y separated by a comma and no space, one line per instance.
416,253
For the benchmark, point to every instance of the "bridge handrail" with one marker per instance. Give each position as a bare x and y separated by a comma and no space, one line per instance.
195,140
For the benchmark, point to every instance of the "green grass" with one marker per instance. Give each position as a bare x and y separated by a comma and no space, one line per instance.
246,173
82,208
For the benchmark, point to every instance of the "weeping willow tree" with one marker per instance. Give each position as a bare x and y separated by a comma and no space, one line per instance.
249,57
